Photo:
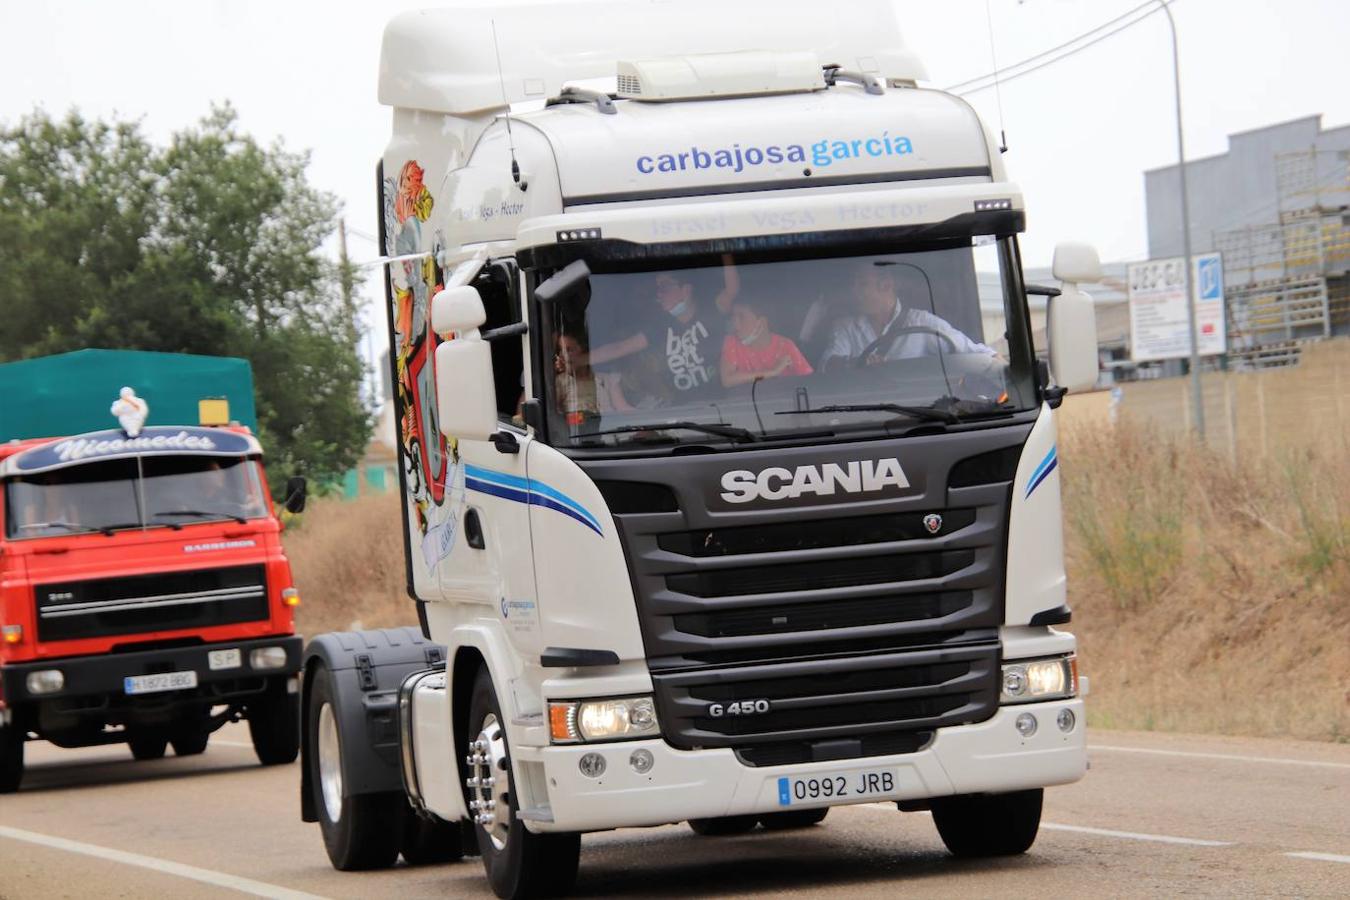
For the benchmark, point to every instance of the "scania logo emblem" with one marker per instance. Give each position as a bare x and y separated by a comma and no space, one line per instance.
933,522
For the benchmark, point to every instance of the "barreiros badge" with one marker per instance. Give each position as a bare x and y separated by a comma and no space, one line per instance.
822,153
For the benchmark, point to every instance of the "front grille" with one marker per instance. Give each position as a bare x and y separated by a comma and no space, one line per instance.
821,700
865,622
160,602
850,532
787,618
812,576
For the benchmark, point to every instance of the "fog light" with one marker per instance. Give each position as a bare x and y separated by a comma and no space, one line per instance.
1065,720
45,681
592,765
642,761
1026,725
268,658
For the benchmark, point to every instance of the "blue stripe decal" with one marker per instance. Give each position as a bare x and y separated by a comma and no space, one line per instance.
531,493
1042,471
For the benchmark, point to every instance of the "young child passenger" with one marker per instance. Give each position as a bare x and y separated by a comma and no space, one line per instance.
752,351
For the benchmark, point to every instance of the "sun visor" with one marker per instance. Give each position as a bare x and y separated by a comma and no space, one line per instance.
115,444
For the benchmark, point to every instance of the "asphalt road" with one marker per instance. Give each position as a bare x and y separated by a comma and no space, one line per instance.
1157,815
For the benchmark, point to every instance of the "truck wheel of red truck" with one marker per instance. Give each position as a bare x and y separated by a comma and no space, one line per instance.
147,745
359,832
989,824
11,758
274,725
519,863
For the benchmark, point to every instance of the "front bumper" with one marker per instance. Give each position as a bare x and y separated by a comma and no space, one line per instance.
102,675
989,757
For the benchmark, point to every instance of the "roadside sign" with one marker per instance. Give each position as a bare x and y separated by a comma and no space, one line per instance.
1158,322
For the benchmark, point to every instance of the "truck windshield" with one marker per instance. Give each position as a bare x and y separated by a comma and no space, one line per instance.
162,491
733,351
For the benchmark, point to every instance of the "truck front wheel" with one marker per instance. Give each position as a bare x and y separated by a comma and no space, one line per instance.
361,831
274,725
11,758
519,863
989,824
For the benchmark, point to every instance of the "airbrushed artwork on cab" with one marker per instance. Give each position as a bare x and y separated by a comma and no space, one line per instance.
429,461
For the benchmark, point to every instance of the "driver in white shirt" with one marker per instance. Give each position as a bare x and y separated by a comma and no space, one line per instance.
908,330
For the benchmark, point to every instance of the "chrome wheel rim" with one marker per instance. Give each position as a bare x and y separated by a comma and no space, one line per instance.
330,763
489,782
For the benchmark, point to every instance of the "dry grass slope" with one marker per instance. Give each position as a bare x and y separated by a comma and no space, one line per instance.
1208,596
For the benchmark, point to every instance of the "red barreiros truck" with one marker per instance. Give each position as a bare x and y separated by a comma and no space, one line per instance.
145,596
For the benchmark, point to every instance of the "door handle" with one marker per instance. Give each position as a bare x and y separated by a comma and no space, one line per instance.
473,530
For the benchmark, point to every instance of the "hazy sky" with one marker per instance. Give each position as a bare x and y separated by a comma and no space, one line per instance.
1081,132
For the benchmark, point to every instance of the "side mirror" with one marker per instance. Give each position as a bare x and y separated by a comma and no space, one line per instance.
1071,319
1076,263
563,282
466,396
457,309
297,490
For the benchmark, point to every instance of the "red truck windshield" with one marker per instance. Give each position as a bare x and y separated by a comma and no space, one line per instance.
162,491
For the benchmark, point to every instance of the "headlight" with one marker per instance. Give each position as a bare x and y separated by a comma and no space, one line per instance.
267,658
1040,679
621,719
45,681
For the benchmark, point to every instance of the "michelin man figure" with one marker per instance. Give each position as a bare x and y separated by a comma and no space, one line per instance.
130,411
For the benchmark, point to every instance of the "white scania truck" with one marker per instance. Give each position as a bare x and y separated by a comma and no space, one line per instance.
723,502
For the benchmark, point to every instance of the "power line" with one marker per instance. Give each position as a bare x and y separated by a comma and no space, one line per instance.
1053,55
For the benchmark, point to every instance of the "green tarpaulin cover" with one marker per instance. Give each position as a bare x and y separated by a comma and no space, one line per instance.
71,393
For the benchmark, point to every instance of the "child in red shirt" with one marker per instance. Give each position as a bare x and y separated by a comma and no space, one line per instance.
752,351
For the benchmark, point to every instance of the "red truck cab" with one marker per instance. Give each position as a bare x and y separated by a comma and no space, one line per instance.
145,596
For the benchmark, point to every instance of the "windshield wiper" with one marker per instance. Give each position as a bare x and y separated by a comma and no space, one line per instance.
926,413
68,526
721,429
199,514
109,529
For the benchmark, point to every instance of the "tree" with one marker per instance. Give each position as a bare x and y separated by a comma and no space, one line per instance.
210,245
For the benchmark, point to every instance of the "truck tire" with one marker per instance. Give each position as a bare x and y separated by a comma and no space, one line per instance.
11,758
148,745
722,826
274,725
795,818
361,831
190,743
427,841
989,824
518,862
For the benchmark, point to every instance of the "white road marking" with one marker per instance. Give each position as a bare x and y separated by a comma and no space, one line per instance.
1324,857
205,876
1230,756
1136,835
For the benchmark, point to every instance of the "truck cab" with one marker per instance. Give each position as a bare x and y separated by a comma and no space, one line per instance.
145,596
721,502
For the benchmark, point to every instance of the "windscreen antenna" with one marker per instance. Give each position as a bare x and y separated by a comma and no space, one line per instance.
998,88
510,138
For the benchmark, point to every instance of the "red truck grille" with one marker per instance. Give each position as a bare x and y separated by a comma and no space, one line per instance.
115,606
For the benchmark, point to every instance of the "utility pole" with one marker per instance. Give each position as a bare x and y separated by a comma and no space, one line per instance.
1197,390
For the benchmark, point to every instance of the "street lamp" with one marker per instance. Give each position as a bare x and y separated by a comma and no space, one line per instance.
1197,392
